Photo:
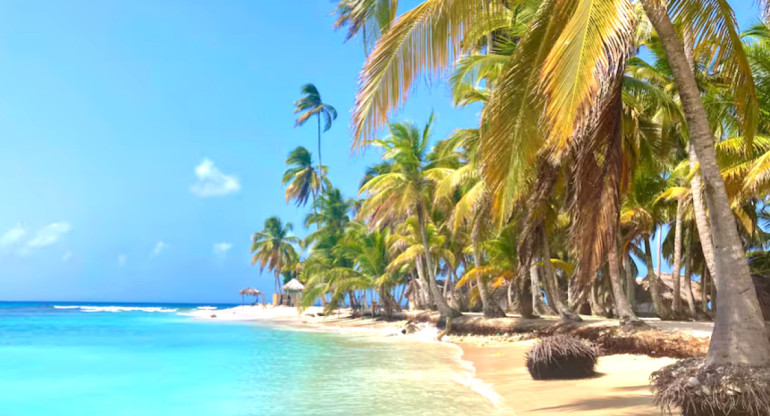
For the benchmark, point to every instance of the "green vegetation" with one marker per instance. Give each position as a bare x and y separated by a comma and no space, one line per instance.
585,149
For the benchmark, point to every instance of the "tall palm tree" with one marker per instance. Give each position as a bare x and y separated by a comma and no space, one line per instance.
311,105
273,248
404,190
303,179
562,69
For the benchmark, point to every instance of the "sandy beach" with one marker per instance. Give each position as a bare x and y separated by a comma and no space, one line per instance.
621,387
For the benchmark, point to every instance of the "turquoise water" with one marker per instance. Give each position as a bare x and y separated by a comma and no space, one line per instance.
108,361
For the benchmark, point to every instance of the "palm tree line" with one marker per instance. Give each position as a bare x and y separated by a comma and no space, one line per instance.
585,150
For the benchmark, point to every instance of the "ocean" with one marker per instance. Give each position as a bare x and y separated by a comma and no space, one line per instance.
64,359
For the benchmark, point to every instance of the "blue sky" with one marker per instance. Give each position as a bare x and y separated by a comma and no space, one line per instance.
142,142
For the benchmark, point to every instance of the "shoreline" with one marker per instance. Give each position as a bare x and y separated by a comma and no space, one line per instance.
495,364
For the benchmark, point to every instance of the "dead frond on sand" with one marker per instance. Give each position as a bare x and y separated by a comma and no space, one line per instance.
562,357
695,389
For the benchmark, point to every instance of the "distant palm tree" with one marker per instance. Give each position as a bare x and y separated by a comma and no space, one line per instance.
311,105
404,190
303,179
273,248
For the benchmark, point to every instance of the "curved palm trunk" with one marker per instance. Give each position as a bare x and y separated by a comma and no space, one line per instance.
622,308
652,280
441,304
676,305
699,212
488,305
739,336
552,286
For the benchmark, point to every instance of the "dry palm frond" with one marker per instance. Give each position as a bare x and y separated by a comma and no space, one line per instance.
699,390
597,175
562,357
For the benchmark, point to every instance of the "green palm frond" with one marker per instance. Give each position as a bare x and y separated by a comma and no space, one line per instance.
426,39
715,31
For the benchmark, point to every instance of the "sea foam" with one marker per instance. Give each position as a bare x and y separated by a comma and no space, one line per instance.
85,308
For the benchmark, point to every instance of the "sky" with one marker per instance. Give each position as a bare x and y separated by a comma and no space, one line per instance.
142,142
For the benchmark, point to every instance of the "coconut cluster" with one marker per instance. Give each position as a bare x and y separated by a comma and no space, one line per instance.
562,357
697,389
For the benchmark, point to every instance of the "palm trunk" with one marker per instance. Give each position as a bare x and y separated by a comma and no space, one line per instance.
739,336
630,282
538,304
652,280
688,277
704,291
552,286
424,295
522,282
441,303
488,305
622,308
660,250
676,305
320,162
699,212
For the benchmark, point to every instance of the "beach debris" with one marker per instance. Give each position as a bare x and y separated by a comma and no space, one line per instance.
409,328
562,357
213,315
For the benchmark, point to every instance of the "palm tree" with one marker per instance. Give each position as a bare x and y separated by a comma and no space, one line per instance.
404,190
370,18
562,69
303,179
311,105
273,248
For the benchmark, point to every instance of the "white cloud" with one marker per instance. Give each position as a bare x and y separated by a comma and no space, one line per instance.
66,256
122,259
159,248
212,182
49,234
221,249
12,236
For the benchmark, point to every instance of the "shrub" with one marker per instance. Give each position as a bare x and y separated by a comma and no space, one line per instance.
562,357
700,390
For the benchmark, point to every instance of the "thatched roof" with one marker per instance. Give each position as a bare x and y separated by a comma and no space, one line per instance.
667,289
250,291
294,285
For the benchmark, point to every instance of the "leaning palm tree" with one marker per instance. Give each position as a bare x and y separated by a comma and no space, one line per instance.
403,190
304,181
311,105
550,96
273,248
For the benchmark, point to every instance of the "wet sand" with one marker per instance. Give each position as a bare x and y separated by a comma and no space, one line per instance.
620,389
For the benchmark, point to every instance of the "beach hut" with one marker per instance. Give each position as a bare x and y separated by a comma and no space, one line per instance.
293,288
250,291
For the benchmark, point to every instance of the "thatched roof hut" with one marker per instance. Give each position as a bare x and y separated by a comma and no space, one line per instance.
250,291
294,285
667,288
